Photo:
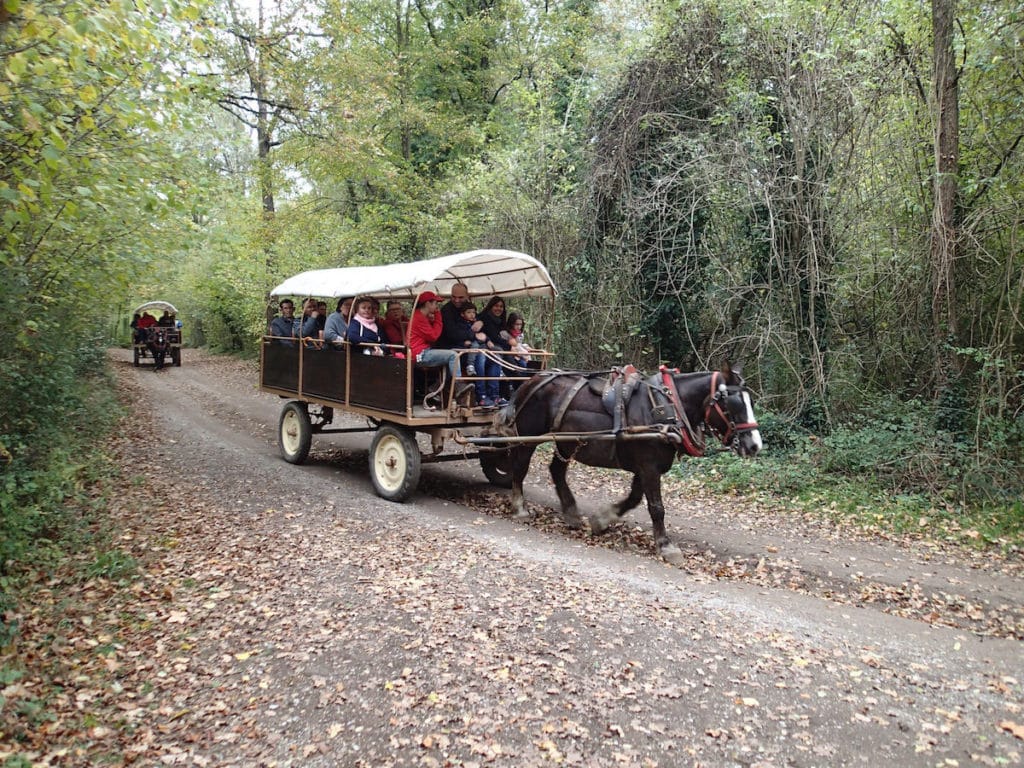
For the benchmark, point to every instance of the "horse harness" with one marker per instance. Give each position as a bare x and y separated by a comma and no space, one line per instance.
616,388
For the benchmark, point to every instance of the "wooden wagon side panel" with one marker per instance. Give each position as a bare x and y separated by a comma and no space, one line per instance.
323,373
280,369
378,382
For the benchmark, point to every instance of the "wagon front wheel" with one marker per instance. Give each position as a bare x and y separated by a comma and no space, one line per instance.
394,463
135,356
495,467
295,433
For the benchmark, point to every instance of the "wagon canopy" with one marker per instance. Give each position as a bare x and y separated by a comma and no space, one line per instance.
155,305
487,272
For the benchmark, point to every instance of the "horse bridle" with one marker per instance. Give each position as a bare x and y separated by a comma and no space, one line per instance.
720,392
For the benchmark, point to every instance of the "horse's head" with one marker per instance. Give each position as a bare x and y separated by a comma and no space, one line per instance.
729,412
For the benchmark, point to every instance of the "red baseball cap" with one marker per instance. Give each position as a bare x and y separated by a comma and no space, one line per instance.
426,296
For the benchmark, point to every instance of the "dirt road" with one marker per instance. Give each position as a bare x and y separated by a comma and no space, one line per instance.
290,617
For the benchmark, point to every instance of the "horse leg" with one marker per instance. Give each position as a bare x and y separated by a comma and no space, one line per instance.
559,468
518,465
664,546
599,522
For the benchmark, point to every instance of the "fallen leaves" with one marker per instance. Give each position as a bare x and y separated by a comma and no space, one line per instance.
1013,728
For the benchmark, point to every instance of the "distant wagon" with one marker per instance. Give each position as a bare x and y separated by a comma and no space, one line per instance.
169,338
397,397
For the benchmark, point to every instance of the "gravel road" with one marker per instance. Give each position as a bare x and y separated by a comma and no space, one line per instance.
290,617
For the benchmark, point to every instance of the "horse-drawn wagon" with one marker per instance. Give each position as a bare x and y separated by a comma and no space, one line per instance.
159,340
398,398
618,419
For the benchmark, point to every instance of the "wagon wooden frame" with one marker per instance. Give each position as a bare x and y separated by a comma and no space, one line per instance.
382,389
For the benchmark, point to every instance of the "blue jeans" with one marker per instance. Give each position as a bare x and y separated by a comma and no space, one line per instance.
476,359
492,387
447,357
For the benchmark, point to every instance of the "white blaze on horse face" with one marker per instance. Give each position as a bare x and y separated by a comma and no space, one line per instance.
755,434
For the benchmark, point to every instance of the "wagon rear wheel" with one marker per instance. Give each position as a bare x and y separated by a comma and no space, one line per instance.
295,433
394,463
176,356
135,356
495,467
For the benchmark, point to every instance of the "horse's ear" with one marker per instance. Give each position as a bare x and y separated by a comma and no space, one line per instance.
729,371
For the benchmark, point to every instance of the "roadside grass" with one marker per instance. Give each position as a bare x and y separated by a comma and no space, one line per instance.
51,507
869,501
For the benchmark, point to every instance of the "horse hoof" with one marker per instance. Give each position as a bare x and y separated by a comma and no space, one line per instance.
672,554
573,522
521,514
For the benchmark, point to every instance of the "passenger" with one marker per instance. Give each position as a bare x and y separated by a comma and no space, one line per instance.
166,320
321,320
494,322
471,339
283,326
146,321
425,329
450,312
138,337
363,328
393,325
310,326
513,334
336,326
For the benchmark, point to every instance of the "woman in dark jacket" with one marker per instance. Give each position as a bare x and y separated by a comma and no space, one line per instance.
494,318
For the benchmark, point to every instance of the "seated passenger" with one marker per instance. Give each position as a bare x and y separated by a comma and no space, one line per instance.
513,334
424,330
476,364
310,326
321,319
138,337
146,321
283,326
362,328
336,326
495,319
392,327
166,320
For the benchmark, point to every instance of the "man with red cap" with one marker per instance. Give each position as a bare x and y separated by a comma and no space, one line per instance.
424,330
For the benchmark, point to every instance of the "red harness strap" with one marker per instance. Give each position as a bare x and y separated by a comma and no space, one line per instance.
690,444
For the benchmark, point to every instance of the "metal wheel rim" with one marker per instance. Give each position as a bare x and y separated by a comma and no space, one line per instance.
389,463
291,430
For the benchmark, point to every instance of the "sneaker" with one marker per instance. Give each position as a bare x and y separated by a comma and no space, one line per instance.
486,402
501,401
470,370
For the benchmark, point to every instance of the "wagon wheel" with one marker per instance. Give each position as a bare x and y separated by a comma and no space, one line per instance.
295,434
135,356
495,467
394,463
176,356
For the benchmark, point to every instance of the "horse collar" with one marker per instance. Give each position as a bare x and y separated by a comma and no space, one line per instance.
692,444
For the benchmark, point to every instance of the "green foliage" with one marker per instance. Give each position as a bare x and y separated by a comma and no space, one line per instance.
113,564
63,412
887,468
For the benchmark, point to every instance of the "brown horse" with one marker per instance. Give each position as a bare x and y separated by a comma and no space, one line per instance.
623,420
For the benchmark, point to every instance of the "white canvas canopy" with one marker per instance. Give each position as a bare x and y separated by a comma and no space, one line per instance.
161,305
487,272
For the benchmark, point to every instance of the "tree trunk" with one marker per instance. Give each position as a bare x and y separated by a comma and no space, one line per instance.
947,155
